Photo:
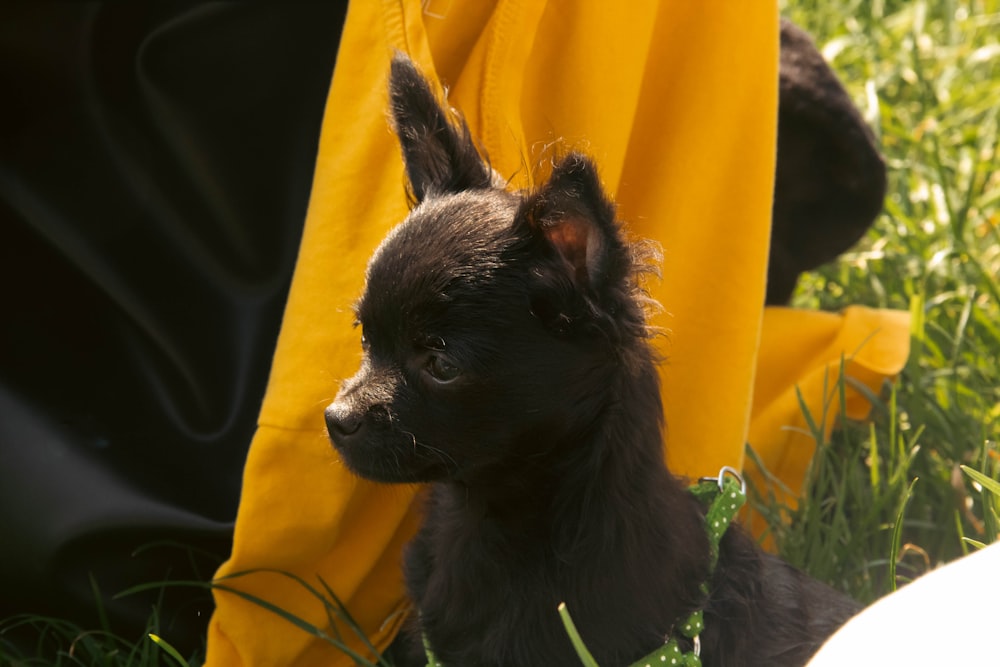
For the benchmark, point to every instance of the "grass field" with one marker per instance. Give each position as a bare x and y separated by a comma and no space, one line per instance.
889,500
927,76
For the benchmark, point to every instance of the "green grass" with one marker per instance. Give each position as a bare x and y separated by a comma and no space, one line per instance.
890,499
885,501
45,641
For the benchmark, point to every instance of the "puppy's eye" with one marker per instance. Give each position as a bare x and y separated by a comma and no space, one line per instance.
442,370
433,343
364,340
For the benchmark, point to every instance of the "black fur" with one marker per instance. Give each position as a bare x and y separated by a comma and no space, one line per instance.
507,362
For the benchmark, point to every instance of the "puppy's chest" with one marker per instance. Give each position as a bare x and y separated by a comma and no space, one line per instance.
481,601
482,555
473,572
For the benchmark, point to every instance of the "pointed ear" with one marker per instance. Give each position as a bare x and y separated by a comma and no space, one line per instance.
438,151
574,218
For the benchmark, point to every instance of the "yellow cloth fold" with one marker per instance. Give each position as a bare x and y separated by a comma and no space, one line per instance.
802,354
677,103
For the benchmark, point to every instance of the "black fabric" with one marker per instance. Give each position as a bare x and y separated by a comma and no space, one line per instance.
155,165
830,179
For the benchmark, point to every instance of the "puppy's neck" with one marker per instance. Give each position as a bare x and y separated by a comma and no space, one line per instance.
587,473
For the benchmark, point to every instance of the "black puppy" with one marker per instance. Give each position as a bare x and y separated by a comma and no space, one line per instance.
507,361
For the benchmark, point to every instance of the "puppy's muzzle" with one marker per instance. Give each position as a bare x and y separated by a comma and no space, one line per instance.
342,422
362,404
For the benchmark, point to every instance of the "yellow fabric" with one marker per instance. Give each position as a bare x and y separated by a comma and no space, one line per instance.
801,357
676,101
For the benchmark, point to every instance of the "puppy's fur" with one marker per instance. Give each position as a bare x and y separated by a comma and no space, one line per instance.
507,362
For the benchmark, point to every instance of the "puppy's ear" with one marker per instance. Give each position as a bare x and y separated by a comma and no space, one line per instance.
574,219
582,275
438,151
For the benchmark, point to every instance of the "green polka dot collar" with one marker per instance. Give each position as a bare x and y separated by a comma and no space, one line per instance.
725,495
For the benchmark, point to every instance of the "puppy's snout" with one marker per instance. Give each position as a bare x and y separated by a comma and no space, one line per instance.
342,421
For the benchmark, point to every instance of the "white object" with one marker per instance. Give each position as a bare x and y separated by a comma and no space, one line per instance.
950,616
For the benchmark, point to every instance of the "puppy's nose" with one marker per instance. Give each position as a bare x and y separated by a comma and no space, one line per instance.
341,421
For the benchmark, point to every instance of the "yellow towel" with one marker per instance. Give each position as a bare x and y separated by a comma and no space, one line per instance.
677,103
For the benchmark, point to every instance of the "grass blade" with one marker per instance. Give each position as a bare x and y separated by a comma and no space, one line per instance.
169,650
574,636
897,532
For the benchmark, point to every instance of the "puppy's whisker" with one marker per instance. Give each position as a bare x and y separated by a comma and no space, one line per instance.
440,453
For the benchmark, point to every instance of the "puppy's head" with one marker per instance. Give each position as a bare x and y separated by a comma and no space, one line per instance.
492,321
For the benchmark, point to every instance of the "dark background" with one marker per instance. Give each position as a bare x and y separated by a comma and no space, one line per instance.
155,164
